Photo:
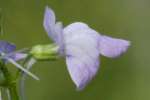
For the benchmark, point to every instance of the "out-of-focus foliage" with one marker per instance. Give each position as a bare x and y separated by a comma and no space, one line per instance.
124,78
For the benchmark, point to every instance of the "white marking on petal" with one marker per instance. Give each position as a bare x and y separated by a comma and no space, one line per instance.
76,26
82,53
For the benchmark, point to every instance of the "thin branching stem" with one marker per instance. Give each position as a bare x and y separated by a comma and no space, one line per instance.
28,65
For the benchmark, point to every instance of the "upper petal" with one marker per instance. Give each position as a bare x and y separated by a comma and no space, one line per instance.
49,18
53,29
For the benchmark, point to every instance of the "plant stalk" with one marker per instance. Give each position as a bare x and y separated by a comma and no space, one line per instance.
9,84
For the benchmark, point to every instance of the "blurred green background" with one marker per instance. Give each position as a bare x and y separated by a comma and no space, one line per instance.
124,78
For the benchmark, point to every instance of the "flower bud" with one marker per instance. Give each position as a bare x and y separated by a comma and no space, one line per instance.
45,52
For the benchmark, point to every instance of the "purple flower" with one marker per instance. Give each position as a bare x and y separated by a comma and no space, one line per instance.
8,48
81,45
7,54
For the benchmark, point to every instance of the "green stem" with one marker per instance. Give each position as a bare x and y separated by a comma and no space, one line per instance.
9,84
13,92
27,64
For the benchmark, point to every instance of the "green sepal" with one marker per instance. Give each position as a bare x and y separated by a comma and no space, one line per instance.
45,52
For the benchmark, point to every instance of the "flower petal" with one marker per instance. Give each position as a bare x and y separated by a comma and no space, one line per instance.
53,29
18,56
49,18
75,27
82,70
6,47
112,47
82,53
